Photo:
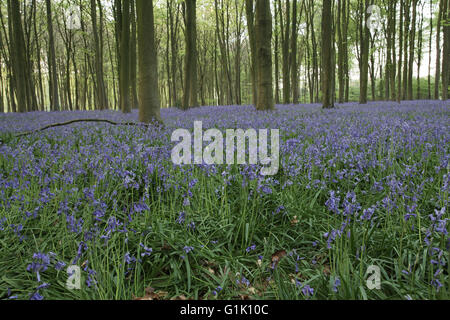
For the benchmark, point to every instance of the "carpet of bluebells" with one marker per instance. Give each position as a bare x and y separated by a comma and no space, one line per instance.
358,186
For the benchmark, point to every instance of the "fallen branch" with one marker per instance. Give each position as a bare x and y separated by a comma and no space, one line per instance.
136,124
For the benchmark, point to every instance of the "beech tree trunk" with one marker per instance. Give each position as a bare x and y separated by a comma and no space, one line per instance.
149,103
190,62
263,35
327,56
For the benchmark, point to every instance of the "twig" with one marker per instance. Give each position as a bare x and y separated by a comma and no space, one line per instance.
84,120
136,124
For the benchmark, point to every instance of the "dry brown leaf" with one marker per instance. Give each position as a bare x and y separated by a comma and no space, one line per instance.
294,221
321,258
151,294
277,256
326,270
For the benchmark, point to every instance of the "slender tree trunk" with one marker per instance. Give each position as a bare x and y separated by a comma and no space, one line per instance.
393,70
133,60
277,65
53,78
294,65
327,55
400,54
190,63
102,99
446,51
364,43
174,20
285,28
249,11
430,44
412,39
437,76
339,25
125,104
407,9
237,63
419,53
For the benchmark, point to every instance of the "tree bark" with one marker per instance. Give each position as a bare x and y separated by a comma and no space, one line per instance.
53,78
149,103
327,56
364,44
190,62
249,11
294,65
263,37
125,104
446,50
133,59
437,76
102,99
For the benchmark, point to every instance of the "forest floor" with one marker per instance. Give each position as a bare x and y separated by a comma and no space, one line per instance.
360,189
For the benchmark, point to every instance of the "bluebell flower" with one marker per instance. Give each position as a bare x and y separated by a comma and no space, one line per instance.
36,296
337,284
148,251
216,291
60,265
188,249
308,291
243,281
181,217
191,226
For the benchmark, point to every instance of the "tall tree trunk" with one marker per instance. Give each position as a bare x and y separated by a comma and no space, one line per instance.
18,56
102,99
406,34
393,51
277,64
446,50
437,76
294,66
249,11
327,55
149,104
400,54
364,43
41,102
346,11
285,28
190,63
419,53
430,49
412,39
174,20
53,78
237,62
339,25
388,68
263,37
125,104
133,60
2,81
117,10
